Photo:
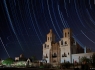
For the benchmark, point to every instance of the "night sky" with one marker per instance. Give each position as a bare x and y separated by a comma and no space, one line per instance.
24,24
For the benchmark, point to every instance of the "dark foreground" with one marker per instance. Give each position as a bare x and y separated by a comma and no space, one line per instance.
33,69
39,69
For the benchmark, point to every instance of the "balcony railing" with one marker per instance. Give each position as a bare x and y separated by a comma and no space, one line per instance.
65,45
45,56
54,56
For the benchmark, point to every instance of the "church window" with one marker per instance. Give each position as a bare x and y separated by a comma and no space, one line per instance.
68,53
65,34
61,42
68,34
65,42
46,56
48,38
54,55
45,45
65,55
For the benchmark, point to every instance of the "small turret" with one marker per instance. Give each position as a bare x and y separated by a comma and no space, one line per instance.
50,36
67,33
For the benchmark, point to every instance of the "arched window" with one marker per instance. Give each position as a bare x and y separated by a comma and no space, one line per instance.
65,55
62,55
54,54
48,46
46,56
61,42
65,42
68,34
45,46
48,38
68,53
65,34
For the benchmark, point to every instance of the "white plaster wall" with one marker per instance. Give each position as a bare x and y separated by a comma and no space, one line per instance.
76,56
47,51
65,49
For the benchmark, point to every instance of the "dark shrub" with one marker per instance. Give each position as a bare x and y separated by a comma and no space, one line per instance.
65,65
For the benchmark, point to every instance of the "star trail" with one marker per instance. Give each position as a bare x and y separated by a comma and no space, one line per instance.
24,24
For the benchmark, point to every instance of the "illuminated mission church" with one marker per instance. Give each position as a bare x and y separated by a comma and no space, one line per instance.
66,50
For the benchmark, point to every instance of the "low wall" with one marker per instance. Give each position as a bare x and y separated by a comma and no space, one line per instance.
77,57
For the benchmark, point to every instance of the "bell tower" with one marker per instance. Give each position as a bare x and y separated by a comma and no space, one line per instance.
67,36
47,46
66,45
50,36
67,33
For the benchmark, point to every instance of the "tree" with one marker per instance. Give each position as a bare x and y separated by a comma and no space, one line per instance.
0,62
8,61
33,58
65,65
93,58
85,59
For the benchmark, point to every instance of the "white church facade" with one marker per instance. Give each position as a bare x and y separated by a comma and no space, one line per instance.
66,50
